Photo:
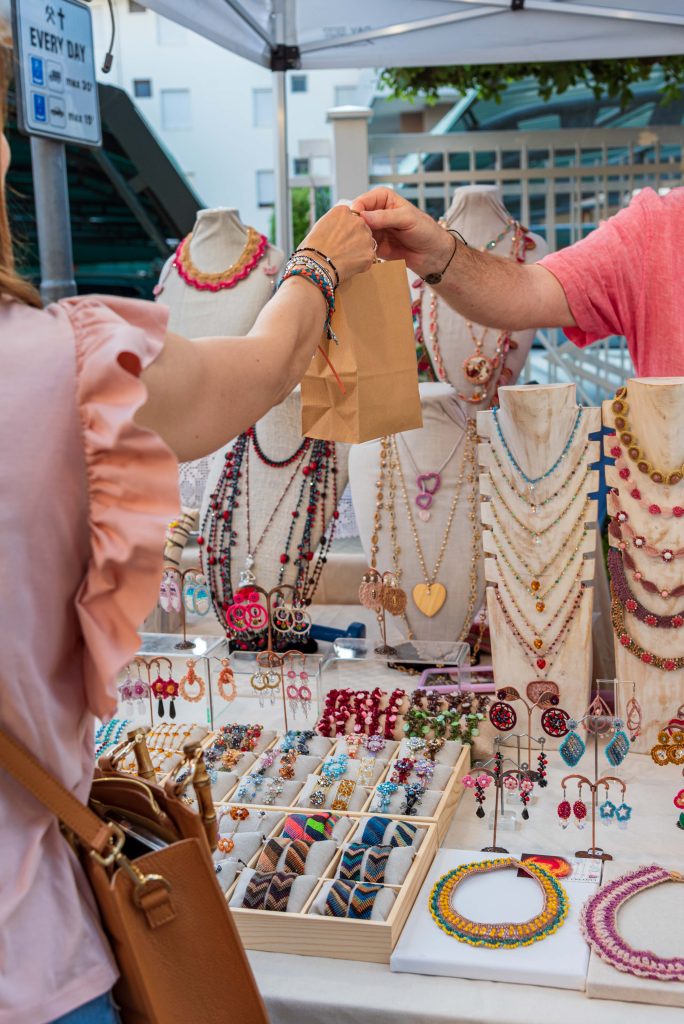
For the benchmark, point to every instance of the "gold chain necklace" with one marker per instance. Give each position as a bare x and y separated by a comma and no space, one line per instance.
537,631
538,534
534,587
548,559
430,595
535,506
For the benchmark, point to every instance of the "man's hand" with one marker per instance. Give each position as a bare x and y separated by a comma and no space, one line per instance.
403,232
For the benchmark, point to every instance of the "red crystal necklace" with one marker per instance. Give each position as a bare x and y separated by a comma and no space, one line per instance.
624,593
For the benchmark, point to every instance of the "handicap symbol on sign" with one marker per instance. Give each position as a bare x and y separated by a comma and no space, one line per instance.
39,107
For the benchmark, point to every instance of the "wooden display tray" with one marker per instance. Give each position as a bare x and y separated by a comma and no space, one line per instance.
313,935
441,817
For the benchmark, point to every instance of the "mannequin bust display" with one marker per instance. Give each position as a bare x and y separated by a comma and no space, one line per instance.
265,501
540,537
655,415
478,213
217,242
436,451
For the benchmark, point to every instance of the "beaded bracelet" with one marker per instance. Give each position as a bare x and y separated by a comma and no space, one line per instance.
324,285
308,248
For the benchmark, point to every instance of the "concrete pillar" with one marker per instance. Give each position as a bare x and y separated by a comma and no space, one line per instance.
350,151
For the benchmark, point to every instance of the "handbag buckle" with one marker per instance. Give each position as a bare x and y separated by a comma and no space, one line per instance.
117,839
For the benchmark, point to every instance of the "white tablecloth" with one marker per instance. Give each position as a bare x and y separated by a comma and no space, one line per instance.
309,990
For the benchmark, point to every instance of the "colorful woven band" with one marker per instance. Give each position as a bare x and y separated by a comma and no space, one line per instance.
376,863
296,851
404,834
310,826
374,830
354,900
352,858
269,891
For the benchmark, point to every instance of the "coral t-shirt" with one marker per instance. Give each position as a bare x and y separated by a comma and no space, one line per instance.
627,277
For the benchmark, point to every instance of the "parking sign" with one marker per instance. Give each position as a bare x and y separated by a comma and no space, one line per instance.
55,64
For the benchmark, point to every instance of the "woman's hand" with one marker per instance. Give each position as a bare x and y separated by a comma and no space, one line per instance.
345,238
404,232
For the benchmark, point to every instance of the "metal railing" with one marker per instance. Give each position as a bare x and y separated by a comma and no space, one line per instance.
561,184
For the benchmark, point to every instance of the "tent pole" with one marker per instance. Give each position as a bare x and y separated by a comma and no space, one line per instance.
283,217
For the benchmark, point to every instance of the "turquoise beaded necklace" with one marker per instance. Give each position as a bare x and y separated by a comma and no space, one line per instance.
529,480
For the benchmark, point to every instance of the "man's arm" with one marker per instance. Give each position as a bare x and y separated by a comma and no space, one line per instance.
487,289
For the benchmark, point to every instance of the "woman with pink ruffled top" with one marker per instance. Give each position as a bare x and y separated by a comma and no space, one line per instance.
98,402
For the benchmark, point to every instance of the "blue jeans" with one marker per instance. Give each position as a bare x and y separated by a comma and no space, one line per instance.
98,1011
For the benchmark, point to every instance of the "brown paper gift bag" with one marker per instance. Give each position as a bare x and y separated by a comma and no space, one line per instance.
375,361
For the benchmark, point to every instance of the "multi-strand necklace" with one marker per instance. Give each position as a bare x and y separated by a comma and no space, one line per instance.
315,467
252,254
479,370
428,597
620,407
542,649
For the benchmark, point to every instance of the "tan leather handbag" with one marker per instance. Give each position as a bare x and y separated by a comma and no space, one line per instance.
179,955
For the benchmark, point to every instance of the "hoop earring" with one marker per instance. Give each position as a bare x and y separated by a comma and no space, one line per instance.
634,715
191,679
225,684
174,594
202,597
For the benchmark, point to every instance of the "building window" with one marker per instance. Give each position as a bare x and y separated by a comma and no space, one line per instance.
301,165
134,8
170,34
262,104
265,183
142,88
298,83
346,95
176,112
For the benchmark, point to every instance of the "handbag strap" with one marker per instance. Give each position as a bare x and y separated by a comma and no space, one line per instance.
93,833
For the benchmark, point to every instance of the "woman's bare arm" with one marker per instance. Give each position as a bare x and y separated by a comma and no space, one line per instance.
203,393
487,289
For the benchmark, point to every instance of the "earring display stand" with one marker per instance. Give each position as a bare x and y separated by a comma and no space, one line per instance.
501,741
185,644
165,645
498,774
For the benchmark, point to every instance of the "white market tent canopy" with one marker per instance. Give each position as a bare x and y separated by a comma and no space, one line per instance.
313,34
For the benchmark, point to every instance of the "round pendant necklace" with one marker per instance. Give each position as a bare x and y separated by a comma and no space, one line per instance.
599,924
620,409
251,255
429,484
502,935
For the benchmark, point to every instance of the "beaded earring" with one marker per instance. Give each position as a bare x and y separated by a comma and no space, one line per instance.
579,809
554,720
526,787
370,590
304,691
502,715
573,747
634,715
202,597
175,600
542,762
189,585
618,748
564,811
623,814
191,679
225,684
393,598
164,596
607,812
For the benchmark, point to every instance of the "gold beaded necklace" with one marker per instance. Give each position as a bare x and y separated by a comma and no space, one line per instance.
538,534
620,407
534,587
548,559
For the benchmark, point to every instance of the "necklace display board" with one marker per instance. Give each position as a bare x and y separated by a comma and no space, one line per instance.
427,527
540,542
648,519
218,243
473,358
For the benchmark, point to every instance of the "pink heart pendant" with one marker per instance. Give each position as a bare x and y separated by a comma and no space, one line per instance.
424,500
430,483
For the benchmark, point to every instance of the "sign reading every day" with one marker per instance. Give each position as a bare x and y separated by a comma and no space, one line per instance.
57,88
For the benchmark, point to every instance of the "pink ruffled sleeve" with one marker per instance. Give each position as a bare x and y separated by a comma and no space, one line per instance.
132,483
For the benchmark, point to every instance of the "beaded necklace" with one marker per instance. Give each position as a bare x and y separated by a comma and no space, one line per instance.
503,935
538,534
617,617
620,407
536,505
652,507
540,605
534,587
543,657
533,481
599,924
648,585
317,466
548,558
631,604
250,257
620,527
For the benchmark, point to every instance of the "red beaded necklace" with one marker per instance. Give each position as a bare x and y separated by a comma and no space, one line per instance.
621,528
624,593
648,585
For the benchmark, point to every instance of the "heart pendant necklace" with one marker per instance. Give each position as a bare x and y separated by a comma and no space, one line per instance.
429,596
429,484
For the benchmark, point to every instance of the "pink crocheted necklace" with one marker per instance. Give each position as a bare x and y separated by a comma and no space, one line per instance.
598,922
